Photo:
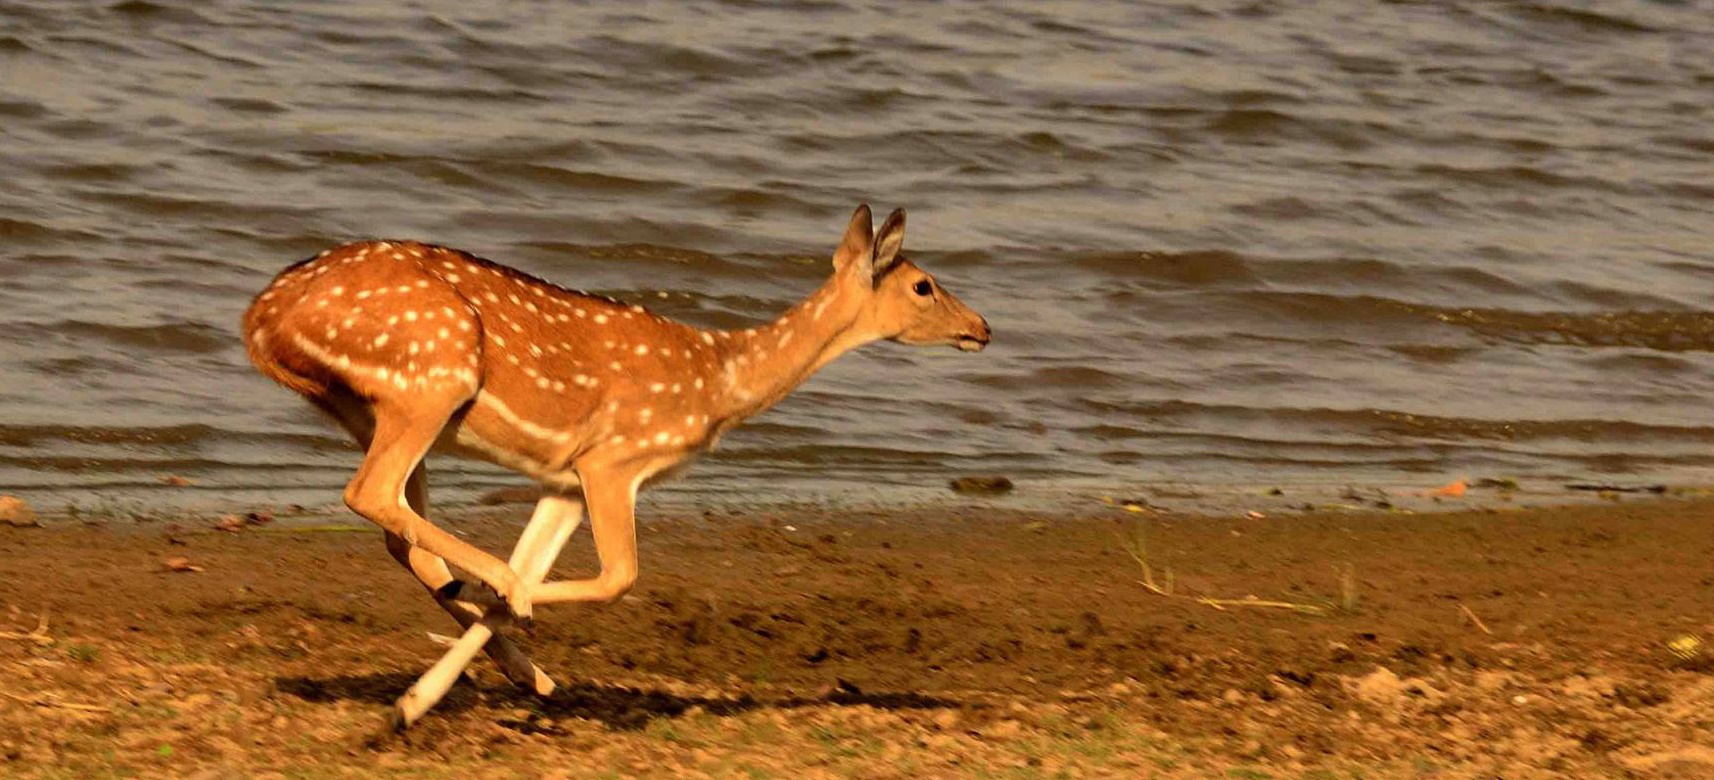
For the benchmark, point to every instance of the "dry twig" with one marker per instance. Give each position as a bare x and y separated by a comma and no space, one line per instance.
1137,548
1307,609
441,639
1475,621
39,636
50,700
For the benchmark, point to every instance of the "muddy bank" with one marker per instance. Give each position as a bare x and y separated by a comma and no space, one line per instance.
1529,643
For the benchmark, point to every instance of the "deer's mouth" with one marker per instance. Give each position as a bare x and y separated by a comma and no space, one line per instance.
970,343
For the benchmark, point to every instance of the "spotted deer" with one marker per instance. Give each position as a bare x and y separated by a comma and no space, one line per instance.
414,347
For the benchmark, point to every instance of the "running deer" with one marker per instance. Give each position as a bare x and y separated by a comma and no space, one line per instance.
413,347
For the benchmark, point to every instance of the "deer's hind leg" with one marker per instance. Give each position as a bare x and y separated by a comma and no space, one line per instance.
405,427
431,569
432,572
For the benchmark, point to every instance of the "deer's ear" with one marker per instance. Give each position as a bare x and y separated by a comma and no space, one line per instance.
888,242
859,243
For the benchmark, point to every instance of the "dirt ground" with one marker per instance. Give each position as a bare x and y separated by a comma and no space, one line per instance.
1483,643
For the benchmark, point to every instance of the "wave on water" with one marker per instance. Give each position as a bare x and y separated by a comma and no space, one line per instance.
1249,245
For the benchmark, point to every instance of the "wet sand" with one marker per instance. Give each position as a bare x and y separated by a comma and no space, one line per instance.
1516,643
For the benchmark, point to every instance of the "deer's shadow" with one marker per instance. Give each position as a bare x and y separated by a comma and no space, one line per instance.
620,707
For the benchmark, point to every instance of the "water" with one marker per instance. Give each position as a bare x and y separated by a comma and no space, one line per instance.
1241,243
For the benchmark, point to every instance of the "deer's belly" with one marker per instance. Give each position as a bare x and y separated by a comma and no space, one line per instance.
490,431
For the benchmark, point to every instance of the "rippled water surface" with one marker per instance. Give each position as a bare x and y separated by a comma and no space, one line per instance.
1219,243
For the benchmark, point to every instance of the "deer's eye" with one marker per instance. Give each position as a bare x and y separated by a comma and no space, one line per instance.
922,287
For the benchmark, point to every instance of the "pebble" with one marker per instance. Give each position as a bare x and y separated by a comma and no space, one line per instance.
16,513
1004,729
981,483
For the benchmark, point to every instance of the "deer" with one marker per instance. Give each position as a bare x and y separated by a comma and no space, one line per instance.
416,348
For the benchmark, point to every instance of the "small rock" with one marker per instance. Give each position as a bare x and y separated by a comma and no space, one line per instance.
14,512
1381,687
1454,489
1005,729
229,523
1491,681
181,563
1612,489
175,480
939,742
1686,647
987,484
1591,688
1129,504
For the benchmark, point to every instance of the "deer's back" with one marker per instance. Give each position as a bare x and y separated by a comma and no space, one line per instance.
549,370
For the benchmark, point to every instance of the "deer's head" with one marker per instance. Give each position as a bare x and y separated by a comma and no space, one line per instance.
898,300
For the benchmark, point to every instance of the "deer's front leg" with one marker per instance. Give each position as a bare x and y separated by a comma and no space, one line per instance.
431,571
555,518
612,501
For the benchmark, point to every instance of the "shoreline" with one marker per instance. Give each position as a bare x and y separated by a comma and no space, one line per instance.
1535,642
1276,499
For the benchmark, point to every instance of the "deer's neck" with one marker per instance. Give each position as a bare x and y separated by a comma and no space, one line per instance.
761,365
